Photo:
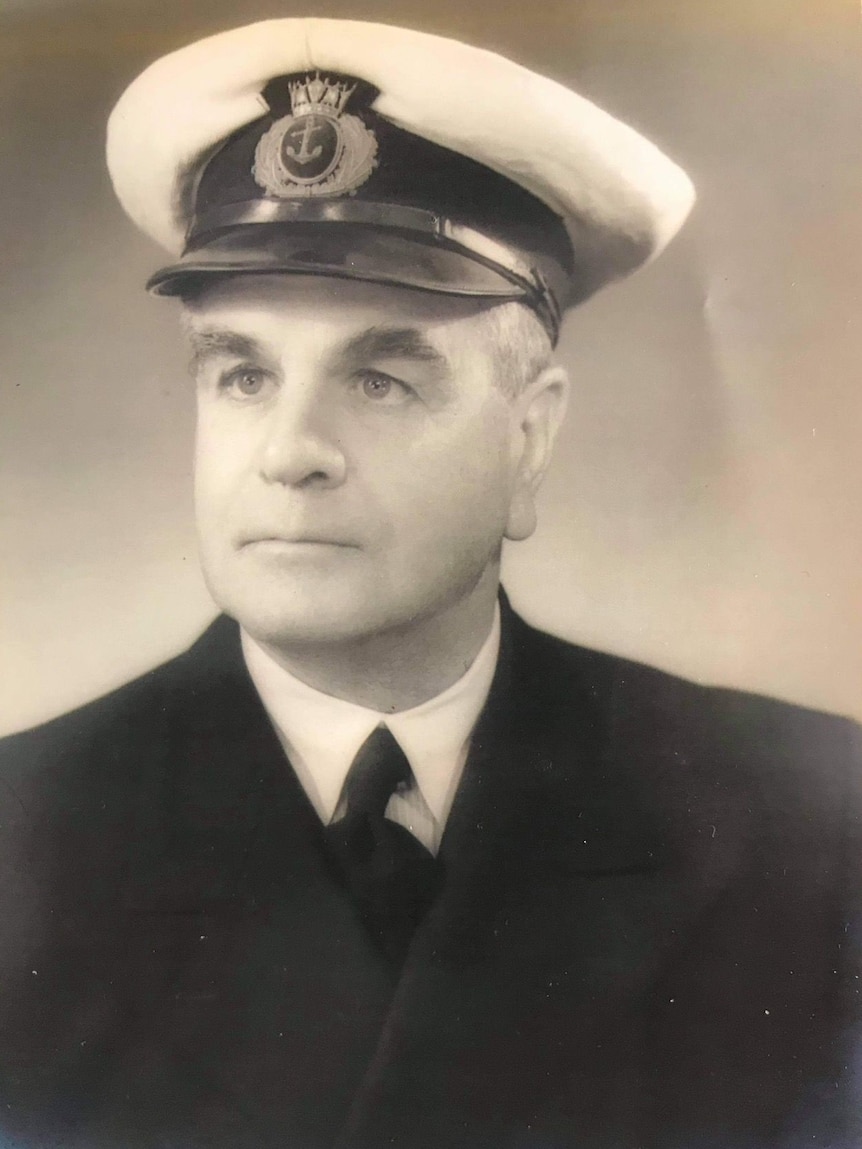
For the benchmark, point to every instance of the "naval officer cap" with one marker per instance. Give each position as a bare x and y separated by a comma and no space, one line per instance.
364,151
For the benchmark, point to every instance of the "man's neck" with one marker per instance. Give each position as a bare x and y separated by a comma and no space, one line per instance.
401,668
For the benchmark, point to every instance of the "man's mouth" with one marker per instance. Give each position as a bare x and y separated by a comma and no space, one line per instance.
287,541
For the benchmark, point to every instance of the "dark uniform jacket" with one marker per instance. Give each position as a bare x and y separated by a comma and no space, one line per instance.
647,937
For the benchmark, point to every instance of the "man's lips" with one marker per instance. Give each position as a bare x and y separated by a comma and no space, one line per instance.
297,540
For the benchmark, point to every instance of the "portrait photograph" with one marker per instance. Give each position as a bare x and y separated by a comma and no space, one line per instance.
431,628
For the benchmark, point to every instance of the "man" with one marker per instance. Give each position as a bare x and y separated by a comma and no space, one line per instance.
374,863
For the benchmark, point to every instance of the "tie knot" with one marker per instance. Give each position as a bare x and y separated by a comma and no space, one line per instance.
376,772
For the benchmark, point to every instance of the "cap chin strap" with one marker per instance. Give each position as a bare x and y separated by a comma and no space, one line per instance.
430,226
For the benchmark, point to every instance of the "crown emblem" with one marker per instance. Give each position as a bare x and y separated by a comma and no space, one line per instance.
317,150
317,94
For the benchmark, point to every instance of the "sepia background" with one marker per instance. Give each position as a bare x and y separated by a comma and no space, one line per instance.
704,512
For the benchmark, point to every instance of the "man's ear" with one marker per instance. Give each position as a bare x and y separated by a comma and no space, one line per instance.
537,414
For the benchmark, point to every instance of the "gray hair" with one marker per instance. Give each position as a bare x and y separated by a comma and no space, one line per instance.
521,344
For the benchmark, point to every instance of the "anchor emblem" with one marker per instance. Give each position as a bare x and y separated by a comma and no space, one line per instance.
304,155
316,151
307,162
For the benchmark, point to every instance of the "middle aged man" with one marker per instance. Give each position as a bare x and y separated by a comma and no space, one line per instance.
375,863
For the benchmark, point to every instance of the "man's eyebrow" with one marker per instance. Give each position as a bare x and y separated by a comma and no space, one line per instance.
393,343
220,341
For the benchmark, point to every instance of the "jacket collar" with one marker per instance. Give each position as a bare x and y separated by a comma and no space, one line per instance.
545,749
543,753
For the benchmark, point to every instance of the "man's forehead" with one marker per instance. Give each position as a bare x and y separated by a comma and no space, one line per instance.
284,293
387,319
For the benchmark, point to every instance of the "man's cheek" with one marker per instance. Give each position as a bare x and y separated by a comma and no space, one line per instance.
214,507
217,469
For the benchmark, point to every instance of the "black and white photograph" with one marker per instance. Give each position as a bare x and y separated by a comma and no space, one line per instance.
431,631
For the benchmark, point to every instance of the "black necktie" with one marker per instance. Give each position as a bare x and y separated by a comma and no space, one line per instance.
391,876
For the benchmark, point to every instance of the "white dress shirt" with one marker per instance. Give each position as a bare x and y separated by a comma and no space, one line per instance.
321,736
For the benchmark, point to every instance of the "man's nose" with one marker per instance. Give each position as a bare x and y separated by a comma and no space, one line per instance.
300,447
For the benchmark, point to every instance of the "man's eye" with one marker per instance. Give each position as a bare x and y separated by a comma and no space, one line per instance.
244,382
382,388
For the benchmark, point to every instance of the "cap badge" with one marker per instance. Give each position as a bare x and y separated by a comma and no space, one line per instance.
317,150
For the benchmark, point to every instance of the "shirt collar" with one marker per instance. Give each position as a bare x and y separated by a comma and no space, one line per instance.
322,734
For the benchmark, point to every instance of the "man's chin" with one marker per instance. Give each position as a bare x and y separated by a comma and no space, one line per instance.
281,600
304,619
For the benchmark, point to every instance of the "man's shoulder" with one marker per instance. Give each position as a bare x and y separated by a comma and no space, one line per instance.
110,734
669,716
601,669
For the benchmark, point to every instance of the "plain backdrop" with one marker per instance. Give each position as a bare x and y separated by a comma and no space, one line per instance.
704,511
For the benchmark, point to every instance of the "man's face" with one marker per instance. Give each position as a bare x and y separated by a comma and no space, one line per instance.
356,458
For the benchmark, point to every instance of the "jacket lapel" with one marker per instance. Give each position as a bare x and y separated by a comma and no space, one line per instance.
257,992
521,1016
